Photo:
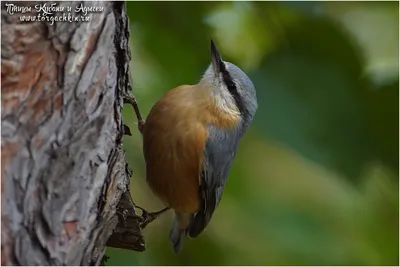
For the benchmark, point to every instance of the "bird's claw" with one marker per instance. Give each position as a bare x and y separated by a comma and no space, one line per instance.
148,217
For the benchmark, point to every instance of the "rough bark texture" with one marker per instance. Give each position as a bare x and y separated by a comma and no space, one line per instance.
64,179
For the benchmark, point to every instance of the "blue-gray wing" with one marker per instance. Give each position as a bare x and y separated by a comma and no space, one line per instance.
220,151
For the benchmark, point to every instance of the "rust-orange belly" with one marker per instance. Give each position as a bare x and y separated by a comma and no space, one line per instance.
173,145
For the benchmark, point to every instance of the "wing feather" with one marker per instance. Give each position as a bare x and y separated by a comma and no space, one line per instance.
220,151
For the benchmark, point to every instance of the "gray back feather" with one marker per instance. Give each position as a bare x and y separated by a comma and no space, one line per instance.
220,152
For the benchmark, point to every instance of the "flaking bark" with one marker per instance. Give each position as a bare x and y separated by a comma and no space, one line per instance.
64,178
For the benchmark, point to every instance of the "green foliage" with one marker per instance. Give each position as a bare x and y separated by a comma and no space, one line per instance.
315,181
321,117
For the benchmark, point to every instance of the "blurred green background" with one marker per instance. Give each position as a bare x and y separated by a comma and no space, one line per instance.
315,181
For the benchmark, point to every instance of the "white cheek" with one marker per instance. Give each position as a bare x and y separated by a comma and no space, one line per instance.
225,101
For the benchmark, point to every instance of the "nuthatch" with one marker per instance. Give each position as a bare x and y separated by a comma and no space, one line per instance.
190,140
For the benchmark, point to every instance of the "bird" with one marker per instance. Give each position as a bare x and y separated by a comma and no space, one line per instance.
190,139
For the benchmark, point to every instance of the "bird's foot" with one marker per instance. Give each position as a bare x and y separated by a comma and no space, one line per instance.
148,217
131,99
141,126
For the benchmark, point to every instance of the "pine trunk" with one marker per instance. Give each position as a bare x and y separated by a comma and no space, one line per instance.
64,178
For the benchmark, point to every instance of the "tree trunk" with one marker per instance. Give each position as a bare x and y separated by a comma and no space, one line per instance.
64,179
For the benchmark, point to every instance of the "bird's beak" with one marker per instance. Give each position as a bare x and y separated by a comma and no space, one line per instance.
216,59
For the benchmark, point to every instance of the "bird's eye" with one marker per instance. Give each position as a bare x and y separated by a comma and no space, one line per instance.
231,85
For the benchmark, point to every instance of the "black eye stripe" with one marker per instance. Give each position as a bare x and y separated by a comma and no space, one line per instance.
230,84
227,78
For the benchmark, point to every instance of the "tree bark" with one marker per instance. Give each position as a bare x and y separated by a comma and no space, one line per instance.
64,178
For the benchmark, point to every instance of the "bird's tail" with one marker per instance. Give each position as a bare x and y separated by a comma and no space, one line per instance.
177,236
179,231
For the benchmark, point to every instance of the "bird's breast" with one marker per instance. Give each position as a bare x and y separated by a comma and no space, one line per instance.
174,138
